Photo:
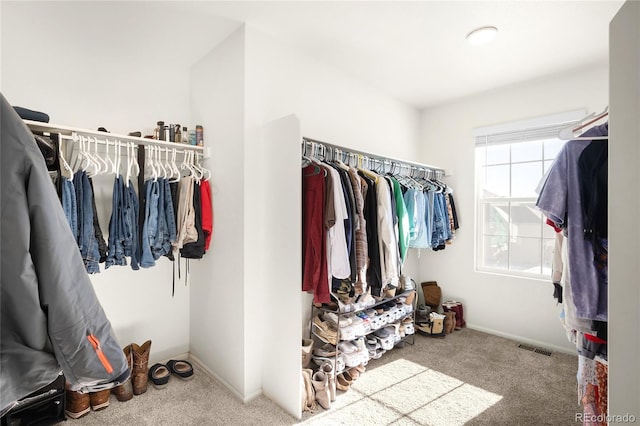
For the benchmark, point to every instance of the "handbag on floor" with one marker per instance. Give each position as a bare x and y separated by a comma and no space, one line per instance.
432,294
435,327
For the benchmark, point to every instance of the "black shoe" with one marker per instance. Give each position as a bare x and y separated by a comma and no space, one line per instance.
182,369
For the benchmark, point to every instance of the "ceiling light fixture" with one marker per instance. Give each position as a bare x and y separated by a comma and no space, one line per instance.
482,35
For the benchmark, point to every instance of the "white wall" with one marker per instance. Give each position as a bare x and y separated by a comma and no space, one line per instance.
62,58
217,310
516,307
624,209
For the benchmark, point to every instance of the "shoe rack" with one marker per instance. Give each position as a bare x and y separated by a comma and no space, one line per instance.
360,327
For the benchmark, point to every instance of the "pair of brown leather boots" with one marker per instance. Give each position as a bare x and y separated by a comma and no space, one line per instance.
138,361
79,404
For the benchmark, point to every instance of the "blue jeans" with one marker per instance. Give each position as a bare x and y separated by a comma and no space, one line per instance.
441,220
86,236
428,215
150,227
69,204
115,256
166,221
171,219
130,225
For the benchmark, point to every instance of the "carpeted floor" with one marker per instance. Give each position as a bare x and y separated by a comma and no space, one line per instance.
468,378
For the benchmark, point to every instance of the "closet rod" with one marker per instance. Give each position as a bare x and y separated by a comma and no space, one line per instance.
380,158
38,126
171,146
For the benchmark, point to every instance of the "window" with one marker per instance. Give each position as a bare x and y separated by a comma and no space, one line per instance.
511,159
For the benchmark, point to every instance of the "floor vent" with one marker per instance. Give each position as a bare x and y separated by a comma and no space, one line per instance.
534,349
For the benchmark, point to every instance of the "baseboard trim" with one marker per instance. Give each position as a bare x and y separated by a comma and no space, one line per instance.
522,339
226,384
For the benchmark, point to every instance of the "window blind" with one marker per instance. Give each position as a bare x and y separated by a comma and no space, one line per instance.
540,128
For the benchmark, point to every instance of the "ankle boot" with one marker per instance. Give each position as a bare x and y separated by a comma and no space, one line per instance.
124,392
76,404
139,375
311,405
456,307
327,369
307,346
321,386
99,400
450,324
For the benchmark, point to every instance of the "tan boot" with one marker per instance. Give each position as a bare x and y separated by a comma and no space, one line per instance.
124,392
311,405
99,400
320,383
76,404
327,368
139,375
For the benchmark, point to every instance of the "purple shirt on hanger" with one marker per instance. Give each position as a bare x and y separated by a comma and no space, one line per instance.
560,201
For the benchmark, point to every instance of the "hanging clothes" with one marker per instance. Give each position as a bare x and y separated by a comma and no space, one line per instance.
195,249
561,201
403,220
338,253
314,258
420,234
386,235
123,226
185,222
207,213
102,245
374,273
359,187
85,236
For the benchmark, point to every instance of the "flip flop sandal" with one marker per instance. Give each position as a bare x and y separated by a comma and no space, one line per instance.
159,375
182,369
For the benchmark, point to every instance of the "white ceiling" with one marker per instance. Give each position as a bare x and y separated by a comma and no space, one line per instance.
413,51
417,52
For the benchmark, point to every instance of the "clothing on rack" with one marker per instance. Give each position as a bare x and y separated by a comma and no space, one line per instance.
207,213
102,245
195,249
574,196
85,233
123,227
159,229
370,218
561,201
314,259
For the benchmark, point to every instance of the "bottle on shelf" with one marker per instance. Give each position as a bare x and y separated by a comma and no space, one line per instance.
185,135
199,135
158,132
178,133
192,137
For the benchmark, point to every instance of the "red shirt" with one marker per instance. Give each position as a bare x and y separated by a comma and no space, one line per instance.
207,212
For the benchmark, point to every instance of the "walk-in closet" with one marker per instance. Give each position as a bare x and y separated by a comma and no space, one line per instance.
322,213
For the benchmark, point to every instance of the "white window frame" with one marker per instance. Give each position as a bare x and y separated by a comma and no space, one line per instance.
539,128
